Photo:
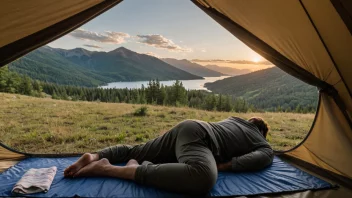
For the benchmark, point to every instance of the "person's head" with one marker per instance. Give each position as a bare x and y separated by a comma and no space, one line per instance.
261,124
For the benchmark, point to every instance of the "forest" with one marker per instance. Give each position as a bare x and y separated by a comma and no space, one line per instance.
154,93
269,89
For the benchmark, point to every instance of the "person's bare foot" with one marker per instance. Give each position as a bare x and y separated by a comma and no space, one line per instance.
132,162
84,160
94,169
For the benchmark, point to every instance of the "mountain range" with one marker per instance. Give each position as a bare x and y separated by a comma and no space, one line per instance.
268,89
228,70
92,68
192,68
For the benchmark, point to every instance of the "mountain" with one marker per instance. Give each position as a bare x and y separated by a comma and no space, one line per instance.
92,68
192,68
228,70
46,64
268,89
122,64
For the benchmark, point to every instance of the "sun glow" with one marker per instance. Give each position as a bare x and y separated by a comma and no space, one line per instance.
256,59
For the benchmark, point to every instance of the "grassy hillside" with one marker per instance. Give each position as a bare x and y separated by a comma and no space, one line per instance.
268,89
43,125
88,68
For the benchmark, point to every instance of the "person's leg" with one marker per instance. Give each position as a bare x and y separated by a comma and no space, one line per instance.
159,150
196,172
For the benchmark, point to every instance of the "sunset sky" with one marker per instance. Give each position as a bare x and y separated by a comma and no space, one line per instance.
163,28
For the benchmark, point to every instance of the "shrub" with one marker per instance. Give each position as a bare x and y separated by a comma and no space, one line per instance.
142,111
139,138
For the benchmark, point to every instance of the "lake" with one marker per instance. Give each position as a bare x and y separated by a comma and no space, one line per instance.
188,84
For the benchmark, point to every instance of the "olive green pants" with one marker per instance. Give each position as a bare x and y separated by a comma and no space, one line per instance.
179,161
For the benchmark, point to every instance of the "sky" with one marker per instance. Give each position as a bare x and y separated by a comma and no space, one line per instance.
162,28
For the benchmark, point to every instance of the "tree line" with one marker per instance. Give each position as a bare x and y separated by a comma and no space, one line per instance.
154,93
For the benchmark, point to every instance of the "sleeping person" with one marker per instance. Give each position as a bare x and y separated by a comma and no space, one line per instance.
187,158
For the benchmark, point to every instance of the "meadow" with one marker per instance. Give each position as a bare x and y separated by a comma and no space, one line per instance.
44,125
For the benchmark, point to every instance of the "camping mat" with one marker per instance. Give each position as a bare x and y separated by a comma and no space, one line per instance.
279,177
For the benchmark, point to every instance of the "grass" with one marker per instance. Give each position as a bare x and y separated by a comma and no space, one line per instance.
43,125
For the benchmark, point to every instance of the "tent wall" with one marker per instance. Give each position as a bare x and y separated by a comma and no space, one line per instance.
293,36
327,146
8,158
28,17
37,22
344,8
337,39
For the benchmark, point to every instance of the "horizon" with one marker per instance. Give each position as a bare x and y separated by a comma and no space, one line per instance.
238,64
190,34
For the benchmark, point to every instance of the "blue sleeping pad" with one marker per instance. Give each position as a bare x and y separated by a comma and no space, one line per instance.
279,177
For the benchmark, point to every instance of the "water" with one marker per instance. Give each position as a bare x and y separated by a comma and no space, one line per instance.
188,84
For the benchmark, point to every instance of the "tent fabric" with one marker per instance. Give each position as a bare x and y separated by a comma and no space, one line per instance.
8,158
344,8
337,39
335,35
318,154
31,24
280,177
28,17
300,30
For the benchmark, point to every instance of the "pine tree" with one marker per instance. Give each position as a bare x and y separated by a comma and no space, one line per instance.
26,87
227,105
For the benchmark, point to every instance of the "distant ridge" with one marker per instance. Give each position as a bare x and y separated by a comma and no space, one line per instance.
228,70
93,68
192,68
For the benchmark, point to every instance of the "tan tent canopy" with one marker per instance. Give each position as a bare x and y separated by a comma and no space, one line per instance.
309,39
27,25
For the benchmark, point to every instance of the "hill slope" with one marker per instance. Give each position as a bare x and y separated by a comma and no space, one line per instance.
228,70
43,125
89,68
46,64
268,89
192,68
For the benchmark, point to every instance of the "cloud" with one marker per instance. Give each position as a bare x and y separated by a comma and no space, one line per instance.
109,37
152,54
159,41
234,61
93,46
203,50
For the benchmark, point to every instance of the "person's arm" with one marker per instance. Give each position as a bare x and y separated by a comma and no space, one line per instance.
252,161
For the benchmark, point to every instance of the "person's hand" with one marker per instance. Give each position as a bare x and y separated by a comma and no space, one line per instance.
224,166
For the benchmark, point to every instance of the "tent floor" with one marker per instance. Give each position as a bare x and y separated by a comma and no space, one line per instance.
278,178
340,192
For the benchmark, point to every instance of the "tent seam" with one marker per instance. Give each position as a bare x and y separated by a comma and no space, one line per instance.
325,46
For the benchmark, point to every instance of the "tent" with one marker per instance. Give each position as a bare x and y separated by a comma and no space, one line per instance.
309,39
